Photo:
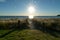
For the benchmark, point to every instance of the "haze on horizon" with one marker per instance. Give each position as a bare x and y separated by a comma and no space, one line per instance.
20,7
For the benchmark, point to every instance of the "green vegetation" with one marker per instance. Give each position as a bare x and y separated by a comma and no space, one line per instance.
49,23
28,35
2,32
45,29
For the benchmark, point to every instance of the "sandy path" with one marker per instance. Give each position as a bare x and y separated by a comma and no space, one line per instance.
31,25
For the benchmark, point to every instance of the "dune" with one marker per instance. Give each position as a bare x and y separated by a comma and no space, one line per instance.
44,29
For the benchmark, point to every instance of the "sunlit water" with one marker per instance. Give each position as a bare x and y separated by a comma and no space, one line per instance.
20,17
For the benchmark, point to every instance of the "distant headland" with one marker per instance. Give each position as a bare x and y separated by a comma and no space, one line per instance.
58,15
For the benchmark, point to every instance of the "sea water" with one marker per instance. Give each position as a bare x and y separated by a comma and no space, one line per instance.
19,17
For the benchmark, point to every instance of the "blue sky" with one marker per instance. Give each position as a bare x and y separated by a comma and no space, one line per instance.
19,7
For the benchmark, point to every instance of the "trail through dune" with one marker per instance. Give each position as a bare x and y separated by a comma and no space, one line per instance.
31,25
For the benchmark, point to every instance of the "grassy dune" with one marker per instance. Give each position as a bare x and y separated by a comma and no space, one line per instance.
45,29
49,23
51,26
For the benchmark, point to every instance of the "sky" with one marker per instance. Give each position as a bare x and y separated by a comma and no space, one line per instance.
20,7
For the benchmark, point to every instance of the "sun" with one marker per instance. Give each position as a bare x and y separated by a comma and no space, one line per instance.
31,16
31,9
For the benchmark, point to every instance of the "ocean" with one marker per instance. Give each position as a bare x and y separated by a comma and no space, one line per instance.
19,17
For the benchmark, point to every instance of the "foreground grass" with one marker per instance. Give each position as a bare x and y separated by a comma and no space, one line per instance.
2,32
28,34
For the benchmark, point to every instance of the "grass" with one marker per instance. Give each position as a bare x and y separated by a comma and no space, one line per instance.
22,31
3,32
50,23
28,34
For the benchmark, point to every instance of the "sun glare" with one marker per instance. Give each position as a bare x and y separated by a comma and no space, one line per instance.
31,17
31,9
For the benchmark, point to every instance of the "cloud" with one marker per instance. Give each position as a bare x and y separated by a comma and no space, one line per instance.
2,0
